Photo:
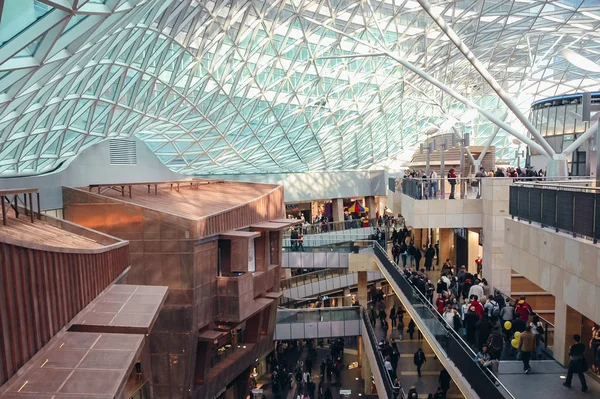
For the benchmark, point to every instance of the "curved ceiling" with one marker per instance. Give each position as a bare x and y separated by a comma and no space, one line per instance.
273,86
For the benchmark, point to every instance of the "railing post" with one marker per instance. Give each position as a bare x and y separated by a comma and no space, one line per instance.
573,214
594,222
556,210
518,204
529,205
541,208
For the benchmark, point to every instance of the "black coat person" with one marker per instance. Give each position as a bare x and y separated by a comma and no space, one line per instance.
444,380
429,255
471,318
418,256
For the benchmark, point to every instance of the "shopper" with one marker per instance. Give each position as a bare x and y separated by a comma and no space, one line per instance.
419,359
523,308
393,316
429,255
577,363
527,347
452,181
444,380
411,329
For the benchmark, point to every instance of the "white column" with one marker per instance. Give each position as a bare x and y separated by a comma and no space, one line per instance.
495,196
372,205
338,209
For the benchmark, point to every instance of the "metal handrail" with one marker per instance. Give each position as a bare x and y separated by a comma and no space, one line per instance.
392,391
557,185
494,382
318,228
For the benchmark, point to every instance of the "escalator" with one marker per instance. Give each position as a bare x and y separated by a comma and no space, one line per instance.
430,322
381,376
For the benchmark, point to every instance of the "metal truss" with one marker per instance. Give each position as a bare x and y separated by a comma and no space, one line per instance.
254,86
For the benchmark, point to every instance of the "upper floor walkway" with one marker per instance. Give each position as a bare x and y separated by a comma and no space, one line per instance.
473,200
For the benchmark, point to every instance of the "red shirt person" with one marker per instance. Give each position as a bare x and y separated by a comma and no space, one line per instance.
523,308
478,307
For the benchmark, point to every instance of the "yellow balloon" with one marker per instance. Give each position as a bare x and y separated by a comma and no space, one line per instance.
507,325
514,343
517,335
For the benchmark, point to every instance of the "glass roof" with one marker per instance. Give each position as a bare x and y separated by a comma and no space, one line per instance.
274,86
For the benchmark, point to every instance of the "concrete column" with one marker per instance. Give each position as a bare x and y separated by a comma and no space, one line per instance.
495,195
362,288
338,209
447,249
371,203
347,297
567,322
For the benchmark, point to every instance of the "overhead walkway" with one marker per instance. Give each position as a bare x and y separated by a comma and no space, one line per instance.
322,257
339,322
321,282
331,233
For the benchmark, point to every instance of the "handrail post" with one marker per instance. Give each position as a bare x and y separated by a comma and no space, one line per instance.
541,207
595,240
573,214
556,210
529,205
518,205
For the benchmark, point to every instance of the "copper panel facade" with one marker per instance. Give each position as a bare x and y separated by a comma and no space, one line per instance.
182,253
41,291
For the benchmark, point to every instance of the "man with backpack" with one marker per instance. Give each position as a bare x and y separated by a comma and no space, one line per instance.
493,310
523,308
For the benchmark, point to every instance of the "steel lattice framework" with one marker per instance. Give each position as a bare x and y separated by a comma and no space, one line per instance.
266,86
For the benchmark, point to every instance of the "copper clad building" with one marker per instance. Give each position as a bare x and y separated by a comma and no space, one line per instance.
217,246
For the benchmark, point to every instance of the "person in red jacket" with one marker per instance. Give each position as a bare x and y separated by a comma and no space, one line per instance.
477,305
452,181
440,302
523,308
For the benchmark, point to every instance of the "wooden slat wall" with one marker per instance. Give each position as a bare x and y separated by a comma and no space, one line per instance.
41,291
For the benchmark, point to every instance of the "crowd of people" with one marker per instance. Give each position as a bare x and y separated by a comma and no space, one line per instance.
300,376
429,182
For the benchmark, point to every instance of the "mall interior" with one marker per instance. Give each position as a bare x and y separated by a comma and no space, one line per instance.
299,199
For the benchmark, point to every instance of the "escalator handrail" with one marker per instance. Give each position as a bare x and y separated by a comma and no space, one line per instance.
496,383
393,391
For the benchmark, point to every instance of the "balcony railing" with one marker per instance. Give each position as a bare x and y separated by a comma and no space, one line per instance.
318,228
571,206
440,188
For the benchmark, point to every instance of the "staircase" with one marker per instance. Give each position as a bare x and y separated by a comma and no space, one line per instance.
542,302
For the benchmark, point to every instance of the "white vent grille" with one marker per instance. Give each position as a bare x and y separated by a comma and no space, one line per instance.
122,152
